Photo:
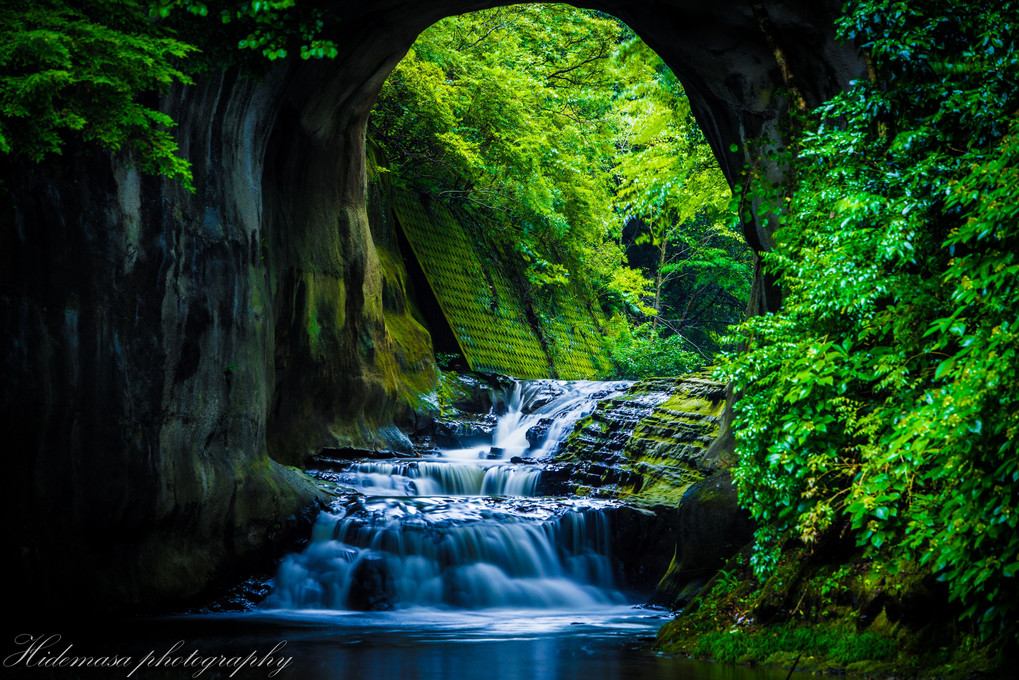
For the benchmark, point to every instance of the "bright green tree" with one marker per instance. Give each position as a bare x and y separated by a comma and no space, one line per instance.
671,185
78,71
87,72
505,111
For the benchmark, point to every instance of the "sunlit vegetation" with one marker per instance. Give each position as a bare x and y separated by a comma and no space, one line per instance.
558,127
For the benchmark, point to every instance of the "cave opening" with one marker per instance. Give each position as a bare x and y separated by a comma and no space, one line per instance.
528,140
167,472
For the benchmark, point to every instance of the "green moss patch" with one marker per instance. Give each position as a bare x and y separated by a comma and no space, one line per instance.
780,643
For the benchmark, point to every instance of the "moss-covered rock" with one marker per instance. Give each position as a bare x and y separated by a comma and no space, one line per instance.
649,444
826,609
498,322
661,446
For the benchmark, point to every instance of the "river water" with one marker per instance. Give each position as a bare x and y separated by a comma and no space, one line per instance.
464,571
609,643
444,567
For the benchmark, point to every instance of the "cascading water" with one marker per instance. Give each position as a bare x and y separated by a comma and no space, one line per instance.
515,432
450,565
465,554
435,478
451,531
510,480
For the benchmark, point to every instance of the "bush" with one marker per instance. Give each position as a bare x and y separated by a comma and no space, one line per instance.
884,395
644,352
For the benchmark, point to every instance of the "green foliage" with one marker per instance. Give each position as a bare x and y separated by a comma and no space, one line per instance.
505,111
272,28
698,277
670,185
644,352
555,126
840,646
89,70
883,395
81,70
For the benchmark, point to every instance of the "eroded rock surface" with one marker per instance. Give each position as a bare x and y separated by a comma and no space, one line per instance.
648,444
664,446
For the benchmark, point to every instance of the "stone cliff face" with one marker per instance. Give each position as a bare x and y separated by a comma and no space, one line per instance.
663,445
164,352
138,369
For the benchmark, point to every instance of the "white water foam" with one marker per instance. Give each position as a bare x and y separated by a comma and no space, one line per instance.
407,555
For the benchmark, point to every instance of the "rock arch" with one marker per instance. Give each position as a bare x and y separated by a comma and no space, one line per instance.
162,350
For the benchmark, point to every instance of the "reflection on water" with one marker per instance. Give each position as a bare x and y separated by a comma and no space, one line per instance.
447,545
606,643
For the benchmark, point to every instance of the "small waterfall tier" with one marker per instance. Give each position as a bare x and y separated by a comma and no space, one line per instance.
453,553
439,478
540,414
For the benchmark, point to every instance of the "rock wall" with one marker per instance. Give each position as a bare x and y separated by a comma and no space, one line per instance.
163,352
665,447
138,365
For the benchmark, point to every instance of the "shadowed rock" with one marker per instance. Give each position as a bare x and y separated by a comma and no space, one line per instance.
712,528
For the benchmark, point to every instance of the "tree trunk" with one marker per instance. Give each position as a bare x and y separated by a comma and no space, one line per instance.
659,282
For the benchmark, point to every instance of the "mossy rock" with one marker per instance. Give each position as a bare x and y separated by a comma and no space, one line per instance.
829,612
658,435
711,528
500,324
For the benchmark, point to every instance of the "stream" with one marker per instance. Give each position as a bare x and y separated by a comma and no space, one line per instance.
463,529
451,566
445,566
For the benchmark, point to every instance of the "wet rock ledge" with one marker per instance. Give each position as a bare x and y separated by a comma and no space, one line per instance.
665,447
648,445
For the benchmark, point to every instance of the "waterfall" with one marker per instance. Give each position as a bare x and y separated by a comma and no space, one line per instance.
415,478
402,554
509,435
515,433
431,478
452,530
510,480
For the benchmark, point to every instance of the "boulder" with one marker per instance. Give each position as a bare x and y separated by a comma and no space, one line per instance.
711,528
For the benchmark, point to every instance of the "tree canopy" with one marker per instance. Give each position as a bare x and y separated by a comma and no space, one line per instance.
560,125
88,71
79,70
